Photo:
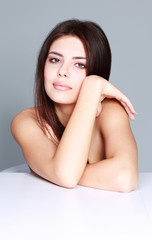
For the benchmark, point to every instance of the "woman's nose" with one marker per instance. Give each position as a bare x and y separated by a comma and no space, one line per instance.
63,71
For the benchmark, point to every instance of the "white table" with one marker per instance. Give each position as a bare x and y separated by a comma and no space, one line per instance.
32,208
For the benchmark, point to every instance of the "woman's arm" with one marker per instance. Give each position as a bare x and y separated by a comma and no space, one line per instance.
65,164
71,156
119,170
72,153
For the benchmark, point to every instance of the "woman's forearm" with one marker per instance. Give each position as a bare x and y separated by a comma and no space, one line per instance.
71,155
109,175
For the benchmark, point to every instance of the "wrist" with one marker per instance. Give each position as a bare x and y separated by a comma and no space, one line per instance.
95,82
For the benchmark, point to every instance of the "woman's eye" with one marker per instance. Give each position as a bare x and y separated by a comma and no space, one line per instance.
54,60
80,65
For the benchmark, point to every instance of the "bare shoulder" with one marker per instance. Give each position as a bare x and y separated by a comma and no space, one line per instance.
22,122
115,127
113,115
26,113
111,106
116,130
37,148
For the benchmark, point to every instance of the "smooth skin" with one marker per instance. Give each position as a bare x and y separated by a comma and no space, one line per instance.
97,130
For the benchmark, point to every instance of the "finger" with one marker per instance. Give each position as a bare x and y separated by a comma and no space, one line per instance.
111,91
129,104
130,114
122,97
99,110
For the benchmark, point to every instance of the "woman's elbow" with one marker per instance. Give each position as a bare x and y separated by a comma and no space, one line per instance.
127,182
68,184
66,180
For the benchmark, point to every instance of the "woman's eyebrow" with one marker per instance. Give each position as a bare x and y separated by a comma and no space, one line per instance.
79,58
59,54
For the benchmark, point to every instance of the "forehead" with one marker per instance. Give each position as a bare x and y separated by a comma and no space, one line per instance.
68,44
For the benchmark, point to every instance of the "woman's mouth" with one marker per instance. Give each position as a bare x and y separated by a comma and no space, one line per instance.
61,86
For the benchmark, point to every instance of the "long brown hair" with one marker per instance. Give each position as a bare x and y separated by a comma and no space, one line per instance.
98,63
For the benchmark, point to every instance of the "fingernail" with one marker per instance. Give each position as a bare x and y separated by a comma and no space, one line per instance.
135,112
132,117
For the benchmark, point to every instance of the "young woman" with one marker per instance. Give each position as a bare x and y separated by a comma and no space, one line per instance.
79,131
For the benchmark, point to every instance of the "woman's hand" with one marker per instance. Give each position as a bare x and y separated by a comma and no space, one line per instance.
110,91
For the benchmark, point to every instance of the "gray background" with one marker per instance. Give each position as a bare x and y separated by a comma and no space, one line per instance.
25,24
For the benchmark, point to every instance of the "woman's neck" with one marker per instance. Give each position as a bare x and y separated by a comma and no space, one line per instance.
64,112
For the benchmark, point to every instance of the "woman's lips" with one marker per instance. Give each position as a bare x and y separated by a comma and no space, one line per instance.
61,86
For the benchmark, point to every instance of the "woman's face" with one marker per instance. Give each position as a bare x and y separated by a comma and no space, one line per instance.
65,69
